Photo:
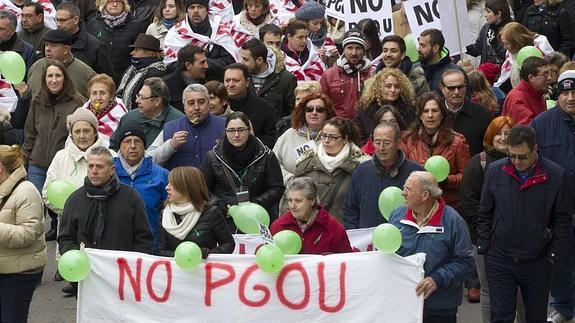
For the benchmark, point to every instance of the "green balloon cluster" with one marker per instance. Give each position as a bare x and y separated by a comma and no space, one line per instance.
525,52
550,104
74,265
387,238
188,255
411,48
288,241
389,199
270,258
246,214
438,166
58,192
12,67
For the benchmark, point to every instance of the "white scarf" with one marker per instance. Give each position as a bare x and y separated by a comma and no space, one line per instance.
332,162
189,219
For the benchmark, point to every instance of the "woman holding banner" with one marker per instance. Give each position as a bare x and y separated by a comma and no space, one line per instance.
190,216
320,232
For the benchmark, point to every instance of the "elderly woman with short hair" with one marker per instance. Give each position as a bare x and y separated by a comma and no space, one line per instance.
320,232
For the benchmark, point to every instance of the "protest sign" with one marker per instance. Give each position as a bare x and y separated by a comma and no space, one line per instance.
378,10
334,8
353,287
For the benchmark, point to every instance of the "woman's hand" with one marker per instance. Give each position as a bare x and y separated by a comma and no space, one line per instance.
21,88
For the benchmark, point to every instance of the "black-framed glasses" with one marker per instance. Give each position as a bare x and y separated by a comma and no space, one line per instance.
452,88
520,156
325,136
62,20
141,98
239,131
317,109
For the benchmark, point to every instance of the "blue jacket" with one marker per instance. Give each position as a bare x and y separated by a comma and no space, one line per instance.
449,254
360,209
201,139
150,182
525,222
555,132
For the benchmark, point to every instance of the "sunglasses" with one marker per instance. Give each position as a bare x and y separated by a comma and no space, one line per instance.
454,87
317,109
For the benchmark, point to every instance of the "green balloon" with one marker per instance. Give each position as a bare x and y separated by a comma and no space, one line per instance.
525,52
550,104
270,258
74,265
246,214
389,199
411,48
12,67
188,255
58,192
387,238
438,166
288,241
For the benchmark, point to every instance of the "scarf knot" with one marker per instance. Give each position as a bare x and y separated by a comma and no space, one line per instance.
188,216
99,198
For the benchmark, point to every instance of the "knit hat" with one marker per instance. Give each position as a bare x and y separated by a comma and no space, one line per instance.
58,36
490,70
310,10
566,81
82,114
353,36
205,3
133,129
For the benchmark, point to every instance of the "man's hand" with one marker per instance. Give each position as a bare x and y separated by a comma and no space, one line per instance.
426,287
21,88
179,138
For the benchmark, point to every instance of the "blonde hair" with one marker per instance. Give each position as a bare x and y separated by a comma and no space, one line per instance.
517,35
11,157
310,86
374,92
101,4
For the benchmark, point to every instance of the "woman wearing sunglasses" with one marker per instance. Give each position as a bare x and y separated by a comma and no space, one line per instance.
331,163
240,168
307,121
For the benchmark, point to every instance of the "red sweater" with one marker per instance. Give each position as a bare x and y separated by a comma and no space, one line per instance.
326,235
523,103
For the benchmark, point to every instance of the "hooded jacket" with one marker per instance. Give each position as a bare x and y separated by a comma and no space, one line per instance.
434,72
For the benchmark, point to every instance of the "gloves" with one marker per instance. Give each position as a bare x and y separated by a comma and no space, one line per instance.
205,253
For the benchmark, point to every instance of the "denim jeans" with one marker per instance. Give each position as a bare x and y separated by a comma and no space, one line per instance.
37,176
16,292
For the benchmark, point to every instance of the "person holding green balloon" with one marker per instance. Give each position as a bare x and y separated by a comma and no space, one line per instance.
429,225
189,215
22,245
320,232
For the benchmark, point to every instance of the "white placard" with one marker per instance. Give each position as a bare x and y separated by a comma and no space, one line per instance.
378,10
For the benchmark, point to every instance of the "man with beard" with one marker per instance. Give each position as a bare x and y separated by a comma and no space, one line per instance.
343,82
205,31
394,55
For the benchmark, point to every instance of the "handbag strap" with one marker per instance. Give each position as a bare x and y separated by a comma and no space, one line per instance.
229,178
5,199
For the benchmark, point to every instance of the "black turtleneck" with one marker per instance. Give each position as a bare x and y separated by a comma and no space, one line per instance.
203,28
9,44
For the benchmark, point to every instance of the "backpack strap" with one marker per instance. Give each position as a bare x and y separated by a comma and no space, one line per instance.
5,199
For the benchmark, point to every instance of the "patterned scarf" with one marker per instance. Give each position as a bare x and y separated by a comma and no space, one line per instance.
349,68
114,21
318,38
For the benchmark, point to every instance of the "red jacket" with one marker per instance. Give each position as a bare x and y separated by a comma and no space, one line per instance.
523,103
343,90
326,235
457,154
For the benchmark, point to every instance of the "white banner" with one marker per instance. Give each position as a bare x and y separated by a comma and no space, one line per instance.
360,239
378,10
354,287
422,15
334,8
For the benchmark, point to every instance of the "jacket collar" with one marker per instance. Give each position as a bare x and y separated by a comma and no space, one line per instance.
322,219
526,87
394,170
81,41
78,154
539,176
434,221
8,185
144,169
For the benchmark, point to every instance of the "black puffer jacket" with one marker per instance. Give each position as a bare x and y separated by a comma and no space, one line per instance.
211,232
117,41
91,51
366,122
487,45
263,178
554,23
143,12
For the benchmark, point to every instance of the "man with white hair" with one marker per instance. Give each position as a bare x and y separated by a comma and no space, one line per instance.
429,225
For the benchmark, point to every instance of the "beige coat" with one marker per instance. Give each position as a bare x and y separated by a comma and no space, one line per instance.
22,245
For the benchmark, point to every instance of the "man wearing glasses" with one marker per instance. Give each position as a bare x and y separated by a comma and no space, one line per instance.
468,118
523,226
526,100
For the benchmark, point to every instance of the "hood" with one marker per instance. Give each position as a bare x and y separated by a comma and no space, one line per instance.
279,59
444,59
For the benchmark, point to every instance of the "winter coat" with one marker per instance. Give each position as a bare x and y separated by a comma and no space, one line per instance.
176,84
553,22
366,121
449,254
45,130
218,58
470,188
434,72
126,224
331,186
22,245
524,103
134,78
529,221
367,182
344,90
150,182
211,232
487,45
554,130
159,31
262,178
152,127
325,236
91,51
117,41
21,47
456,153
143,12
79,72
35,38
289,147
261,114
472,121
